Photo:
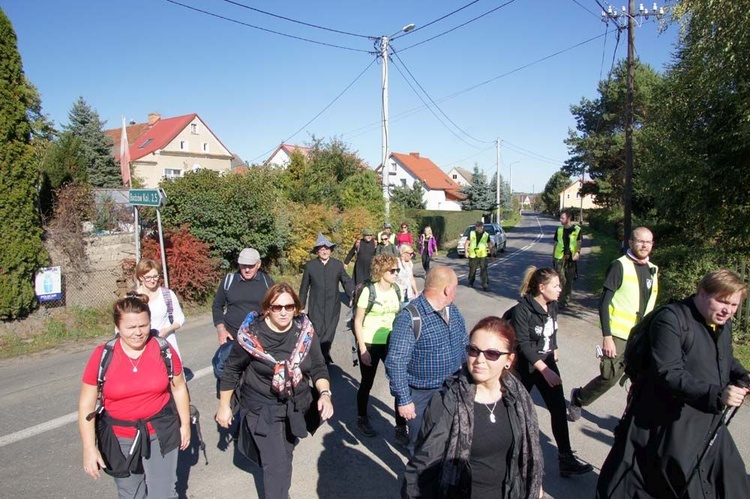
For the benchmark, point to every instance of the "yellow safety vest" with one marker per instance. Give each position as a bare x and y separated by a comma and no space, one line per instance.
575,242
478,250
624,308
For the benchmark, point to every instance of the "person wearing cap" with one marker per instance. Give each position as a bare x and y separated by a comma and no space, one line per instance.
239,294
320,283
477,247
387,230
364,249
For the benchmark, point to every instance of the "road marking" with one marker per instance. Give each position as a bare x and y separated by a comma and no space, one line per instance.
67,419
515,253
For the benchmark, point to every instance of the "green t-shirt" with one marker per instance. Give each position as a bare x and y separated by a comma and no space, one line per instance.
378,323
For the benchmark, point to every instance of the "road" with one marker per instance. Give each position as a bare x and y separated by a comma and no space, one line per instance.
40,453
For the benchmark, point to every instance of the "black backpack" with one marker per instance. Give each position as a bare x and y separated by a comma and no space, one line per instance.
166,355
367,283
637,356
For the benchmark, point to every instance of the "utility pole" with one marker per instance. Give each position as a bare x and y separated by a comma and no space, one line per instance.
497,195
385,134
630,15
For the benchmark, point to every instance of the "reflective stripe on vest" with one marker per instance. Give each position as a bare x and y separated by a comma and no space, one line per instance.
624,307
478,250
575,243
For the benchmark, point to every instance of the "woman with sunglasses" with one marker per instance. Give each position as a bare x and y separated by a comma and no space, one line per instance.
273,362
160,301
480,436
386,246
534,318
404,237
371,330
406,281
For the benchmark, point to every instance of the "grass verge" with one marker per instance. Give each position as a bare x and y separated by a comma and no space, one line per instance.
603,250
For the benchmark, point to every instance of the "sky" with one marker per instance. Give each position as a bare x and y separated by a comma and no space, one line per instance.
510,75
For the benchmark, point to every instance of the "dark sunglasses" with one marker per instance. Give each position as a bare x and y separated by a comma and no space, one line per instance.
491,354
291,307
394,271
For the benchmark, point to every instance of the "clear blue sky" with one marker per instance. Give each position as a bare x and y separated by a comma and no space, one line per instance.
255,89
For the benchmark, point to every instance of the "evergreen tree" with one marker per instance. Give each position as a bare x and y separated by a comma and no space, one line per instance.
478,193
96,146
409,197
550,197
21,234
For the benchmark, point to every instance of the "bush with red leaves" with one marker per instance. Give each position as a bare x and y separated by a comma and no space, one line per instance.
193,274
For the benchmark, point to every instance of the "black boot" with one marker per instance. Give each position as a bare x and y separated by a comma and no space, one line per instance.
571,465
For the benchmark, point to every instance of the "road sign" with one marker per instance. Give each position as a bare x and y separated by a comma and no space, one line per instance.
146,197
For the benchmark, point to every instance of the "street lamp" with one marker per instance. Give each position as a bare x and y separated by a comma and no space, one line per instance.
384,85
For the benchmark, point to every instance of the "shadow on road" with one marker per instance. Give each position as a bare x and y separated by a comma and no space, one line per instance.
344,467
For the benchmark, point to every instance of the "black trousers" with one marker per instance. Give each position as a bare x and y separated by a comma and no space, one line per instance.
426,260
276,449
554,399
377,354
480,262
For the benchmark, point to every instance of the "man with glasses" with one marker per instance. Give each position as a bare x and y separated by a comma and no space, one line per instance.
418,364
239,294
629,293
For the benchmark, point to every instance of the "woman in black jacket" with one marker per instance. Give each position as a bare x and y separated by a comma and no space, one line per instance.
274,356
535,320
480,437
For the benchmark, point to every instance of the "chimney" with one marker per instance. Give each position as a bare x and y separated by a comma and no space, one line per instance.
415,154
153,118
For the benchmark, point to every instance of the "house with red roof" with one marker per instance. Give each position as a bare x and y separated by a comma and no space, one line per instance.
441,192
282,155
170,147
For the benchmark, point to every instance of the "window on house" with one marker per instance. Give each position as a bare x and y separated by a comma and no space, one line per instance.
403,182
193,128
183,145
172,173
148,141
205,147
455,176
568,195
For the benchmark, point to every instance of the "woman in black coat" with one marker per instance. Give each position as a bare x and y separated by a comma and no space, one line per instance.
535,320
480,436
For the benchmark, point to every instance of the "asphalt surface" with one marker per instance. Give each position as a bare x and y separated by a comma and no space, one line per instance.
40,452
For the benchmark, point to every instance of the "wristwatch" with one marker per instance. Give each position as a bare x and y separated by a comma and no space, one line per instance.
327,392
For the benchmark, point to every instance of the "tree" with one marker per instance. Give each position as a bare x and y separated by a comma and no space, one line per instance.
362,189
478,193
96,146
598,143
63,163
550,197
506,197
21,235
699,174
409,197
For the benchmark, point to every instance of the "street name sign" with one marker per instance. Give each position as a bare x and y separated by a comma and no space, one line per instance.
146,197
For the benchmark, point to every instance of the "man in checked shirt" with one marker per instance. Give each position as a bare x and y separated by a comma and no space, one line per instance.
417,367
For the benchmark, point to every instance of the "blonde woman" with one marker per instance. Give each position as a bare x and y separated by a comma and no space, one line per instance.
427,247
166,314
405,280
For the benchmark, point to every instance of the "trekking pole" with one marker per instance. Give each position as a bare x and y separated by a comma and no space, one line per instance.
723,421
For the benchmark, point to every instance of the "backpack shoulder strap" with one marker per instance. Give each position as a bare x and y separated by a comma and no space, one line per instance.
416,320
104,361
265,281
166,355
228,279
371,295
168,300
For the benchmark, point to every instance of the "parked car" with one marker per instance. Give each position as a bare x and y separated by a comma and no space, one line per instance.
498,239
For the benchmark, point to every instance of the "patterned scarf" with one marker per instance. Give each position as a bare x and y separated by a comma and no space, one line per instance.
286,373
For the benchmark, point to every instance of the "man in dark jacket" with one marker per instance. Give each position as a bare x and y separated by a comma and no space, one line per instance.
320,281
239,294
678,402
364,249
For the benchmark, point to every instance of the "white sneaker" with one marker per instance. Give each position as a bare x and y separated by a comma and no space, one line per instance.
574,410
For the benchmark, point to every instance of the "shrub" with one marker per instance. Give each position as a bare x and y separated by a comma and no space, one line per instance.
193,274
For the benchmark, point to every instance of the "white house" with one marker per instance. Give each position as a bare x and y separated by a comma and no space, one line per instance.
441,193
461,176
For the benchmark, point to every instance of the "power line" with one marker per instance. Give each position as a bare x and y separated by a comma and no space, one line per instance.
432,111
322,111
436,20
460,25
266,29
435,103
471,157
238,4
585,8
526,152
604,50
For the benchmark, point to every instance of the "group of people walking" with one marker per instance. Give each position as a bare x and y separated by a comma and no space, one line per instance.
462,403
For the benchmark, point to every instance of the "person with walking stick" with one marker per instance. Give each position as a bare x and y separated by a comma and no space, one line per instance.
672,441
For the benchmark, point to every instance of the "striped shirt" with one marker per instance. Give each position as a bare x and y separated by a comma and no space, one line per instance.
428,362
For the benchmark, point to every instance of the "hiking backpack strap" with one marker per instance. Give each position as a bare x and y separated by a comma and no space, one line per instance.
370,296
166,355
228,279
416,320
168,300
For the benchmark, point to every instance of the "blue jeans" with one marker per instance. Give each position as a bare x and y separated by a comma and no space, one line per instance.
421,399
